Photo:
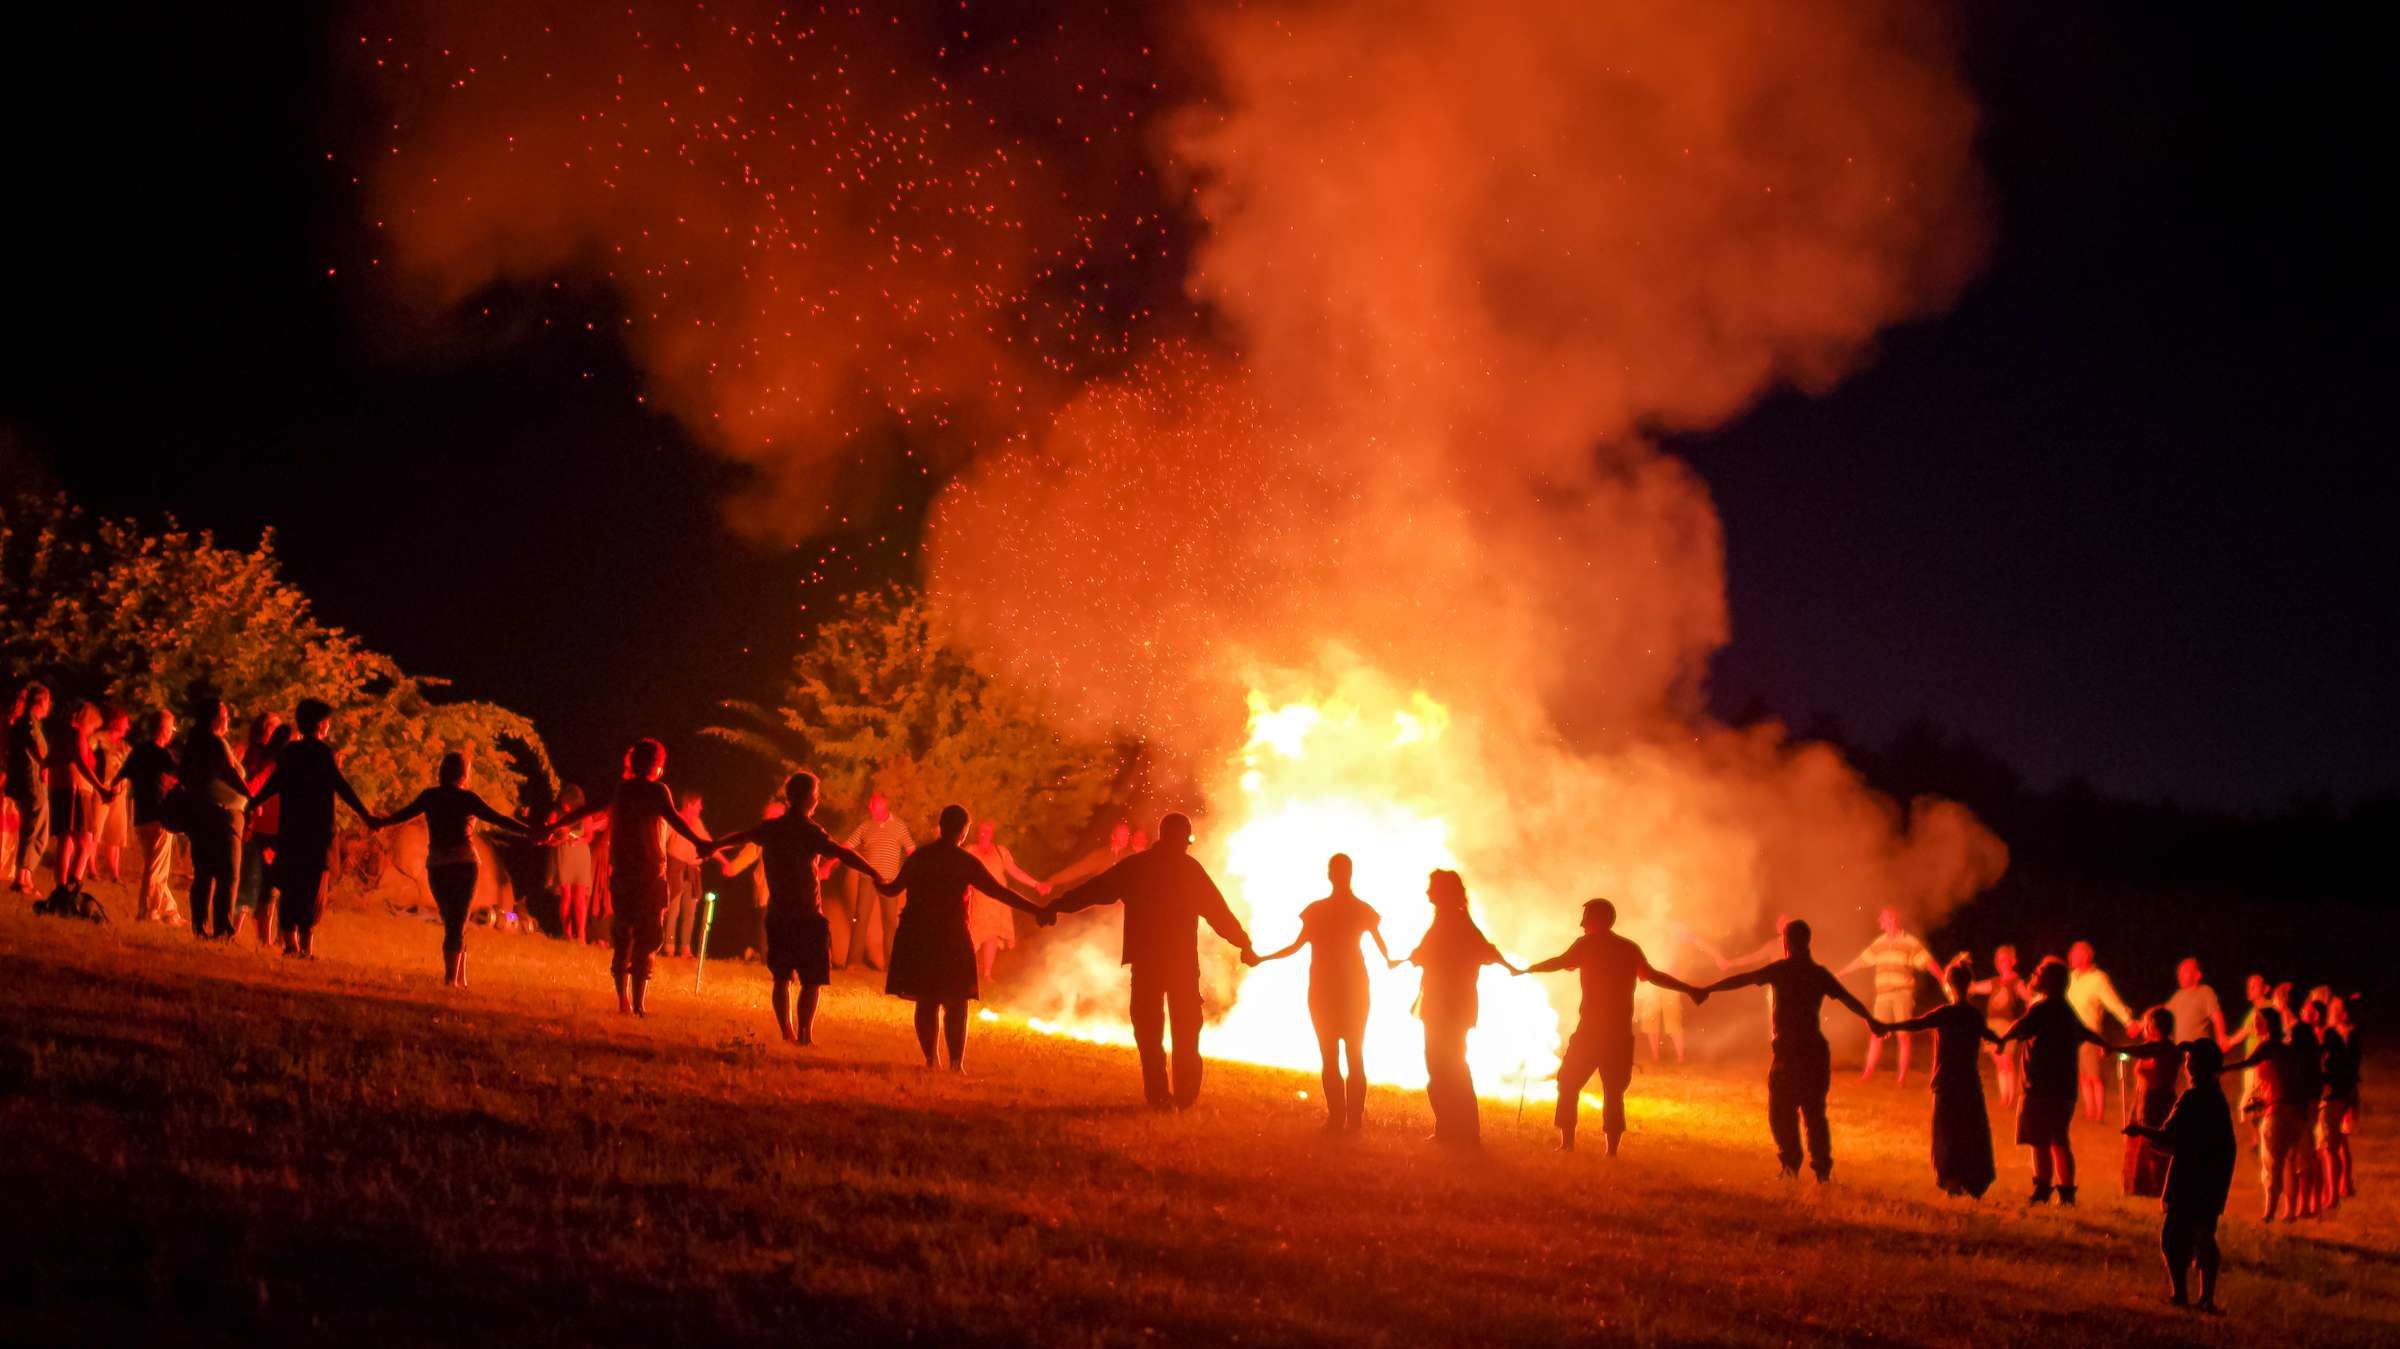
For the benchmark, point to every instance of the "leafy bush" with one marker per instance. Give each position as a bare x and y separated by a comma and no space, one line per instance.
102,609
877,700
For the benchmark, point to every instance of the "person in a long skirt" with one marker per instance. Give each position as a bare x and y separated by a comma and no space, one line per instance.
1962,1132
1331,929
932,958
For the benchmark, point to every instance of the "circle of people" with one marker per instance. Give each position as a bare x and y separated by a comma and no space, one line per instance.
2043,1031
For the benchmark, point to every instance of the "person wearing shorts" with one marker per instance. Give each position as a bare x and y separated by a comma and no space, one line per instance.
1895,955
799,938
637,865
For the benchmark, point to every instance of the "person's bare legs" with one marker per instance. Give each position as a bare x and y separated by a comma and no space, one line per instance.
2043,1179
1677,1037
1329,1075
928,1021
2094,1094
1874,1056
1905,1041
624,998
985,954
1356,1115
954,1033
804,1015
2175,1243
2204,1252
780,999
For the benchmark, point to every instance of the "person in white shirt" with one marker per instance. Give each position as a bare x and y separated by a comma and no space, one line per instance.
1896,955
875,919
2193,1004
2092,993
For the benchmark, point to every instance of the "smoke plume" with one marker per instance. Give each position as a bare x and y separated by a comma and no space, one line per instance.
1447,274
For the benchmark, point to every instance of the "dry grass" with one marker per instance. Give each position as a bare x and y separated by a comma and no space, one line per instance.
206,1143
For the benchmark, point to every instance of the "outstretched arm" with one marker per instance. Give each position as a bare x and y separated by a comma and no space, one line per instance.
1665,980
349,797
1297,943
2255,1056
1835,991
680,825
850,858
1745,979
1105,888
408,812
982,879
1910,1026
1220,915
482,810
1380,949
1554,964
1858,962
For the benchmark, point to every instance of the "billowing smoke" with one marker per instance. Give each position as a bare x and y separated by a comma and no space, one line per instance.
1457,269
1472,259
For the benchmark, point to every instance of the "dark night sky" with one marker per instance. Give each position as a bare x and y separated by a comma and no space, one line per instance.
2124,513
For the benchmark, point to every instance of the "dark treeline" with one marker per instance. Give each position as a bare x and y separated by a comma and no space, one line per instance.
2302,892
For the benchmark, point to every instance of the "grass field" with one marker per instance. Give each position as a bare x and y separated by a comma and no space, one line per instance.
206,1143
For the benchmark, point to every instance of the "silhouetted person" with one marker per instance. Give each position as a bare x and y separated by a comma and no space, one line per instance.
2055,1038
254,889
799,937
1962,1132
1166,894
308,779
1800,1072
89,795
933,958
637,867
2198,1139
147,775
29,783
1331,928
1895,955
1609,966
216,800
2157,1058
450,810
1452,954
571,860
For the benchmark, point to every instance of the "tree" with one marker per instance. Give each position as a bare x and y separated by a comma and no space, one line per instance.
104,610
876,700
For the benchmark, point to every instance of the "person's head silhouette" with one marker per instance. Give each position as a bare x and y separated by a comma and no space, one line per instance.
1796,937
1175,830
1337,870
953,823
1599,915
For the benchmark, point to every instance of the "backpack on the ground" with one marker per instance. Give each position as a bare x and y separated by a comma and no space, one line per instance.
66,903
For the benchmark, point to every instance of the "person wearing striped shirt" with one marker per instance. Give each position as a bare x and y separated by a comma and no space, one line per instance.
875,920
1896,955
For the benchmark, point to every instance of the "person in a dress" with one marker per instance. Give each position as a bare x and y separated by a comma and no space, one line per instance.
989,923
1331,928
571,861
1962,1132
2055,1038
1452,954
116,824
932,959
89,795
